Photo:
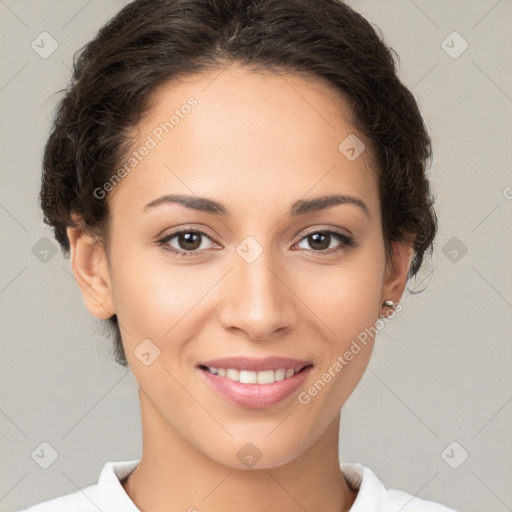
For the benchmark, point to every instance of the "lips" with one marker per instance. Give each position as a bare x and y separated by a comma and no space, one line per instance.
255,383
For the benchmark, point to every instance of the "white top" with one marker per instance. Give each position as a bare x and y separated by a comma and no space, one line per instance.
108,495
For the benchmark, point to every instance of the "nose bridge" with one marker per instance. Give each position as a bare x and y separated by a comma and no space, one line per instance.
256,301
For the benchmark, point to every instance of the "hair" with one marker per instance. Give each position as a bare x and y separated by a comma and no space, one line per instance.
151,42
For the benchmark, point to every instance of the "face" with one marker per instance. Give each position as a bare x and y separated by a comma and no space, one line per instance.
255,278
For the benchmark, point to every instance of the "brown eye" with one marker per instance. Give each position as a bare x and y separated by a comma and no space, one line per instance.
185,242
188,241
320,241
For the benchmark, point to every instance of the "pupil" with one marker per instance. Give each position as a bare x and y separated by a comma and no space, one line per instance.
315,240
189,239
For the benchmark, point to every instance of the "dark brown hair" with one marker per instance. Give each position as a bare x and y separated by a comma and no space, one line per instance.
150,42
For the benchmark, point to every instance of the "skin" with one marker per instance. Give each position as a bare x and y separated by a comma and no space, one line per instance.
256,142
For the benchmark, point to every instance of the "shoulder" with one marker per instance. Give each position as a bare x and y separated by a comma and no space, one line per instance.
374,497
108,495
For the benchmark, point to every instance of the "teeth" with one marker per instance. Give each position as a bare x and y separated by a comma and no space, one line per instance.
251,377
232,374
280,374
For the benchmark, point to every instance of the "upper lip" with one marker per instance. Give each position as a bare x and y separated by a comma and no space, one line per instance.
257,365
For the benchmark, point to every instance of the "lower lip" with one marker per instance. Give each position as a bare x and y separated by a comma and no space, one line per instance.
256,396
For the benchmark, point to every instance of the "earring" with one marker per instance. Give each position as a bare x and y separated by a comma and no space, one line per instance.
388,304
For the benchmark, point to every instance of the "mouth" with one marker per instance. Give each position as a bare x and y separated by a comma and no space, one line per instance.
254,377
252,383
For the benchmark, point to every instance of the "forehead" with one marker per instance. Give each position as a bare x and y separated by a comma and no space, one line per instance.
251,137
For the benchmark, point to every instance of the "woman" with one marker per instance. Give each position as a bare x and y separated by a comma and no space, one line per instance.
241,187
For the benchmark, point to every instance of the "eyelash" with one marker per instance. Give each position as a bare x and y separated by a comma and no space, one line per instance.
345,240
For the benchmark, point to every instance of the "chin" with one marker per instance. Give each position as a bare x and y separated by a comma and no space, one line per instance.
258,454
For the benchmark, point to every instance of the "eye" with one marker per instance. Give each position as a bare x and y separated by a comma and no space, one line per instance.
320,241
189,242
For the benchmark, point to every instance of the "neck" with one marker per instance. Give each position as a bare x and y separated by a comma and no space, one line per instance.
174,476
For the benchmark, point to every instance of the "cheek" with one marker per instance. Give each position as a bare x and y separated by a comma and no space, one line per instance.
347,301
143,292
347,351
346,297
156,298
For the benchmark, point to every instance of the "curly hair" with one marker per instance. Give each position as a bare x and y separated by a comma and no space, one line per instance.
151,42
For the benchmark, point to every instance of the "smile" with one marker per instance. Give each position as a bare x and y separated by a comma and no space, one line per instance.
253,377
254,389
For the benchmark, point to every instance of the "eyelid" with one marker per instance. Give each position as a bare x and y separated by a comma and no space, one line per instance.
186,227
163,239
332,229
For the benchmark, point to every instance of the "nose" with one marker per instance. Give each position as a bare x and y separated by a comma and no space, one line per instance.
257,299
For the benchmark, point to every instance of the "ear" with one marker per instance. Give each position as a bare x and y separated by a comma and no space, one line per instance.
395,277
90,268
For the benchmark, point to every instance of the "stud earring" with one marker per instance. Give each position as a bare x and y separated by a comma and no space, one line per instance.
388,304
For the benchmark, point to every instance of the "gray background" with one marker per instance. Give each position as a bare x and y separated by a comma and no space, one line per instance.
440,373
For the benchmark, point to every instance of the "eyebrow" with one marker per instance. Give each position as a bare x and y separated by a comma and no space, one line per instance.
299,207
